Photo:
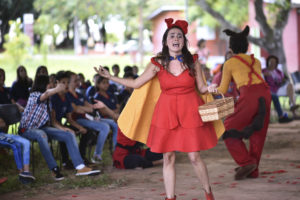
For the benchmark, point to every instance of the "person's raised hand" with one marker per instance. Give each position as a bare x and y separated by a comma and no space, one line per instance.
102,72
60,87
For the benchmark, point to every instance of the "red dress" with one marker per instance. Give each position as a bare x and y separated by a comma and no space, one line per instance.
176,124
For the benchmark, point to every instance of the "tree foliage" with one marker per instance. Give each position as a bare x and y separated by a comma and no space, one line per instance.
17,45
11,10
235,11
271,40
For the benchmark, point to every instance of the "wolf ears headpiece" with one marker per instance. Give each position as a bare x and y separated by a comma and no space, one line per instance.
238,42
244,33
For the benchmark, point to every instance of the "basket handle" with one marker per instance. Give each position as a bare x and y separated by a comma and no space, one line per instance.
223,97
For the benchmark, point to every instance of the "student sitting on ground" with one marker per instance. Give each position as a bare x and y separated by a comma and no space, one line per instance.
130,154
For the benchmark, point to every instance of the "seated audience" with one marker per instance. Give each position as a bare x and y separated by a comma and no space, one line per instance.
36,125
5,97
108,98
52,81
20,88
82,108
4,91
276,79
41,70
117,86
62,107
91,90
83,85
135,71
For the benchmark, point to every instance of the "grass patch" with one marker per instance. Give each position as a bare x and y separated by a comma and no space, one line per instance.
44,179
65,60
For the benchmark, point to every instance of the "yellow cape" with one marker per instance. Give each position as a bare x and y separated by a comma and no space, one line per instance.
135,119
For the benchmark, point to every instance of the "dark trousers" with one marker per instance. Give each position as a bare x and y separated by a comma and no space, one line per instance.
134,160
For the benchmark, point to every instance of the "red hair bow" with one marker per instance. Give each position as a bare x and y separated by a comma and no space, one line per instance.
180,23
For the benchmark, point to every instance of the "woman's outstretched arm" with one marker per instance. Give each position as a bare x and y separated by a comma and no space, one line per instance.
147,75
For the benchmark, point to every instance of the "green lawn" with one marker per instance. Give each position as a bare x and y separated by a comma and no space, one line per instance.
67,61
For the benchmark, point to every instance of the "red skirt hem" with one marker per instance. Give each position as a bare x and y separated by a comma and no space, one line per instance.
182,139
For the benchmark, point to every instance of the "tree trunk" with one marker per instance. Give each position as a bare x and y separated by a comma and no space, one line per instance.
272,40
141,34
77,46
4,30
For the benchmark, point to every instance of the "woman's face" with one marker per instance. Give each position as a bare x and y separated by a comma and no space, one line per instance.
175,40
103,85
272,64
22,72
43,71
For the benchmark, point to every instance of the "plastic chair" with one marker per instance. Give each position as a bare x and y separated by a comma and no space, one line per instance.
11,115
296,79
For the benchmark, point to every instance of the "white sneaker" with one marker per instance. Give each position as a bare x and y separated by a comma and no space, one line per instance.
87,171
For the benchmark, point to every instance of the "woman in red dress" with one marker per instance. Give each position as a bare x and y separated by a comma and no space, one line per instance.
176,124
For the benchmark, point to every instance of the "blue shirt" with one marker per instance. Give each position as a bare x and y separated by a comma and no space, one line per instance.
61,106
90,93
78,101
110,102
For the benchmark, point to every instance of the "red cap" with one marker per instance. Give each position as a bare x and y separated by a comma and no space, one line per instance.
180,23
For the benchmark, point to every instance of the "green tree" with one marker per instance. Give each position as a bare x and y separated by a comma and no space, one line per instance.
272,30
17,45
11,10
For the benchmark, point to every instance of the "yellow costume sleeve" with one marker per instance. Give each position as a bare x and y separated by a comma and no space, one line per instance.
135,119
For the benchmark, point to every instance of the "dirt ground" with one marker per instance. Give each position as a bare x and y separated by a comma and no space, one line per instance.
279,176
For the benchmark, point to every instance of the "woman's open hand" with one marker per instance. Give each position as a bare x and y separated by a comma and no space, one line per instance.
102,72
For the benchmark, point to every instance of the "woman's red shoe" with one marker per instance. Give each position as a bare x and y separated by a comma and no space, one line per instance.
171,199
209,196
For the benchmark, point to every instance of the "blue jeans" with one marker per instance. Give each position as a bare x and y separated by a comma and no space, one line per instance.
101,127
69,139
25,147
16,148
114,128
277,105
42,139
41,136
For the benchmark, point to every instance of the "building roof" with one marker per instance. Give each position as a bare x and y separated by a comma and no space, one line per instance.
164,9
295,3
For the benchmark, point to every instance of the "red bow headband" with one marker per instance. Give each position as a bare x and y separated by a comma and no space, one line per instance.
180,23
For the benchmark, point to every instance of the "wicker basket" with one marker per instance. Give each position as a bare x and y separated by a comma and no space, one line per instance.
217,109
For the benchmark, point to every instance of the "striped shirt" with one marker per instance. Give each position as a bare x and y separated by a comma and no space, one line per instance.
35,114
